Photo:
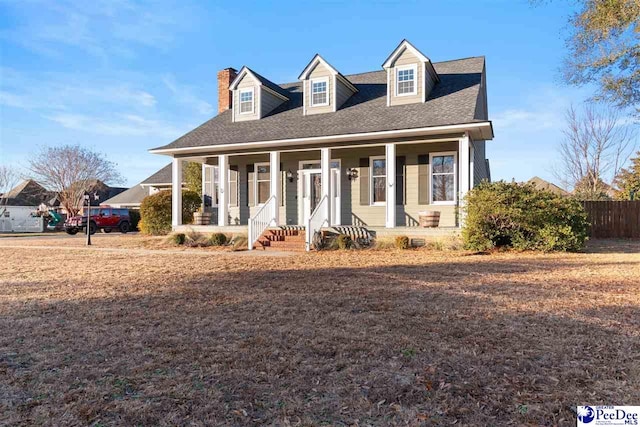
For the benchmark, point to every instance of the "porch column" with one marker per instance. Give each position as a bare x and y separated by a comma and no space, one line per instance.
204,182
325,165
275,185
176,192
472,168
463,172
390,162
223,193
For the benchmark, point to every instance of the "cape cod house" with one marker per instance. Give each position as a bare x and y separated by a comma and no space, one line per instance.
371,149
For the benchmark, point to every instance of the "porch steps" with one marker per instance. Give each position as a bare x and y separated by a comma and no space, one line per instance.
360,233
284,238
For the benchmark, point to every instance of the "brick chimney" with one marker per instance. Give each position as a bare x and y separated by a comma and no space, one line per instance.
225,99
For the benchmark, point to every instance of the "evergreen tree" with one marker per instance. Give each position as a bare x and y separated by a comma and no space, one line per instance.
628,181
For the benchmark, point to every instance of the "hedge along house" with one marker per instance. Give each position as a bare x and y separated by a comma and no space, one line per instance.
367,150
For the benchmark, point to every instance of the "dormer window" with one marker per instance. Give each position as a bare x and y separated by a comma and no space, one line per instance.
324,89
410,75
246,101
319,92
406,78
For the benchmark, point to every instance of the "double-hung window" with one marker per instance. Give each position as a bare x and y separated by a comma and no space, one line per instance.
443,178
378,180
246,101
212,182
406,80
319,92
263,182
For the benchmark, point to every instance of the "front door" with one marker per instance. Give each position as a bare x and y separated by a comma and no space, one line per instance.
310,189
311,192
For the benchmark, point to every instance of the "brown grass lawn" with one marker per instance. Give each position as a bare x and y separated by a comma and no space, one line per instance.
340,338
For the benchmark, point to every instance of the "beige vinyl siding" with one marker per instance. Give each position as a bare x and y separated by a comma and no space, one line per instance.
247,82
342,93
429,83
406,215
319,71
406,58
479,164
269,102
352,212
482,112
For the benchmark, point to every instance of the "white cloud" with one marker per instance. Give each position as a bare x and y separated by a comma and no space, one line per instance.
99,28
184,95
116,125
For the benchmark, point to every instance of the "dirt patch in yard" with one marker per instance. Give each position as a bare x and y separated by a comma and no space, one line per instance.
336,338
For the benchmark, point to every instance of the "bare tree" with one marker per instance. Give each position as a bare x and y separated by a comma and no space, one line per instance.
596,145
71,171
8,179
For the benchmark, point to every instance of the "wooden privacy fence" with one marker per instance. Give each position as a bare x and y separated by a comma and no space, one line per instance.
614,219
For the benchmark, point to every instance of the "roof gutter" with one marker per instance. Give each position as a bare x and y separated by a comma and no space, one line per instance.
484,129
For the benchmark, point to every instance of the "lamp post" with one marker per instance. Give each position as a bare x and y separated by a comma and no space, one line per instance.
87,197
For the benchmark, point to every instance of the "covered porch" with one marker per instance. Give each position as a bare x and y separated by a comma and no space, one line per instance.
382,186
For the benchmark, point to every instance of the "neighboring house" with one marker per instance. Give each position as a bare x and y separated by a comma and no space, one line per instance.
541,184
132,198
29,193
370,149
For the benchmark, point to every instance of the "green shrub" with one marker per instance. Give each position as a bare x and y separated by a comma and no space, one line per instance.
522,217
155,211
402,242
343,241
218,239
177,238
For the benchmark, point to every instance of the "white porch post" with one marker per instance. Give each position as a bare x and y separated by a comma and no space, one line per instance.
275,185
463,172
176,192
325,165
223,194
390,162
472,168
204,181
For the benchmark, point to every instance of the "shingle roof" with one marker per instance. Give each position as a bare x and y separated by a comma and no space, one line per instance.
541,184
163,176
132,196
452,101
28,193
268,83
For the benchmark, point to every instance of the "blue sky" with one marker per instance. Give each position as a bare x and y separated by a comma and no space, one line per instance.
122,77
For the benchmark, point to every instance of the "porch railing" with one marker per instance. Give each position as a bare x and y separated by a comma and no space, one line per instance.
261,221
317,220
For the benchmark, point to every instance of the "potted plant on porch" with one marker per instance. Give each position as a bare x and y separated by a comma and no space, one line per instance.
201,217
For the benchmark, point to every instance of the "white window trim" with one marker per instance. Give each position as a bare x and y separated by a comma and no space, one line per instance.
413,67
371,189
455,178
255,180
318,80
212,185
253,100
237,181
301,164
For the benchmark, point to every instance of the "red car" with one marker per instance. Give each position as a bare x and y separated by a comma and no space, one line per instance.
102,218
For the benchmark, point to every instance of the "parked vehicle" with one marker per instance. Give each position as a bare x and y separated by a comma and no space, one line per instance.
100,218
